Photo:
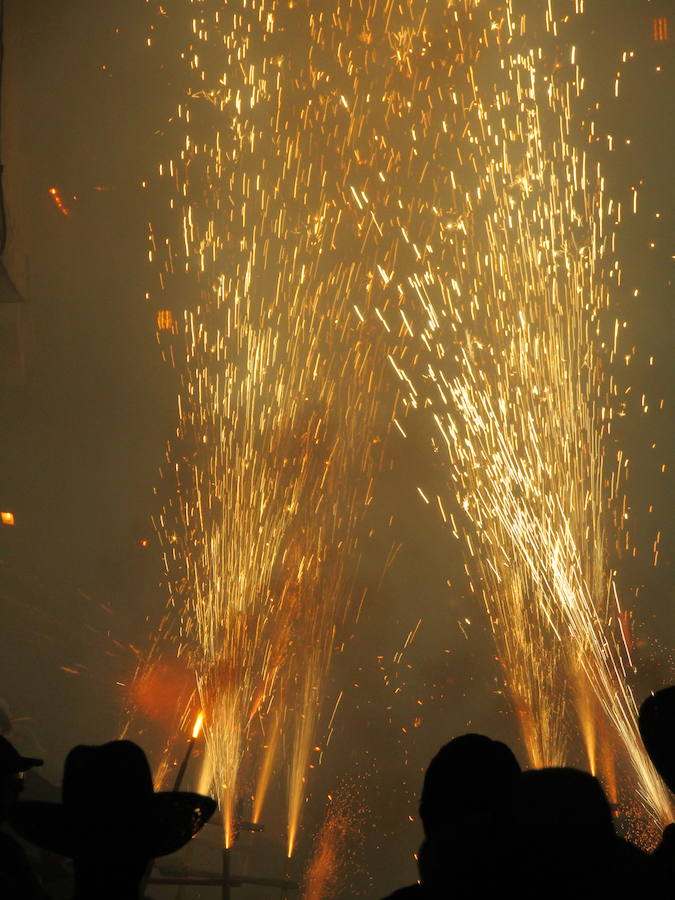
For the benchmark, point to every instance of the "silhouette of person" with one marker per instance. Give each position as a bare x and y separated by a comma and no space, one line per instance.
5,721
657,728
54,872
17,879
567,844
466,810
111,822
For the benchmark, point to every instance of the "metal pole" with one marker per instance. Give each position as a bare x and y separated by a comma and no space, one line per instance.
183,765
226,873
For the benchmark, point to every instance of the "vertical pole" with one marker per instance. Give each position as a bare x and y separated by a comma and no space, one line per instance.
226,873
183,766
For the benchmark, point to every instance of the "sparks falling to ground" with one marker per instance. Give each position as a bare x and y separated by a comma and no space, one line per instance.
330,855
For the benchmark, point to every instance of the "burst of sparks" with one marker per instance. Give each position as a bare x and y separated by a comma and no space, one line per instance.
362,175
278,437
328,860
514,288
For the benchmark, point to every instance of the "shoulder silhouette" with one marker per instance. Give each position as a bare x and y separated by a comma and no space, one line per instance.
567,840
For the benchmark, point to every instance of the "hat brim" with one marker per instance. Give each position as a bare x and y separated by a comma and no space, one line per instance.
164,824
24,763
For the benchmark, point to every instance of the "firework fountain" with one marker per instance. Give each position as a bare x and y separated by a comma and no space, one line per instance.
279,431
350,183
514,356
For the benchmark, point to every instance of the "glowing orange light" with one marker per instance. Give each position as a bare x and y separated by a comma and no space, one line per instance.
58,200
660,29
7,518
198,725
154,691
144,542
164,319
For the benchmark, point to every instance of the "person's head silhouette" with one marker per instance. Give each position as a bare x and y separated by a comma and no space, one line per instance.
469,780
657,728
12,767
565,835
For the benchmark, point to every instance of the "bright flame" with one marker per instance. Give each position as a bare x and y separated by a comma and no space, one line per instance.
199,721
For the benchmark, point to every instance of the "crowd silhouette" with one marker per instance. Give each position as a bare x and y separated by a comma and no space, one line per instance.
490,829
110,822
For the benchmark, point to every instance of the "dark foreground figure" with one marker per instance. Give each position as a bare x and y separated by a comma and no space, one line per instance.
566,843
16,875
466,811
111,823
491,831
657,728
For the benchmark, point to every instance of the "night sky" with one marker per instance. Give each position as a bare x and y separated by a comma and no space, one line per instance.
87,407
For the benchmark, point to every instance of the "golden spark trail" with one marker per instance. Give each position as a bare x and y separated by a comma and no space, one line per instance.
510,363
280,420
266,768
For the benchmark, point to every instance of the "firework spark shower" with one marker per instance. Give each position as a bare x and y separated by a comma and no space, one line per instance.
337,389
515,350
352,182
279,439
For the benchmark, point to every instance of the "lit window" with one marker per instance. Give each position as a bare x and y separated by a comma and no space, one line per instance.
164,319
660,29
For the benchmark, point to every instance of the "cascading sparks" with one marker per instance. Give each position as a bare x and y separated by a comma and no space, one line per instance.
347,179
510,362
280,416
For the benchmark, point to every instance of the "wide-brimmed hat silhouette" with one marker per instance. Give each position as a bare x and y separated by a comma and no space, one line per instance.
11,761
109,804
